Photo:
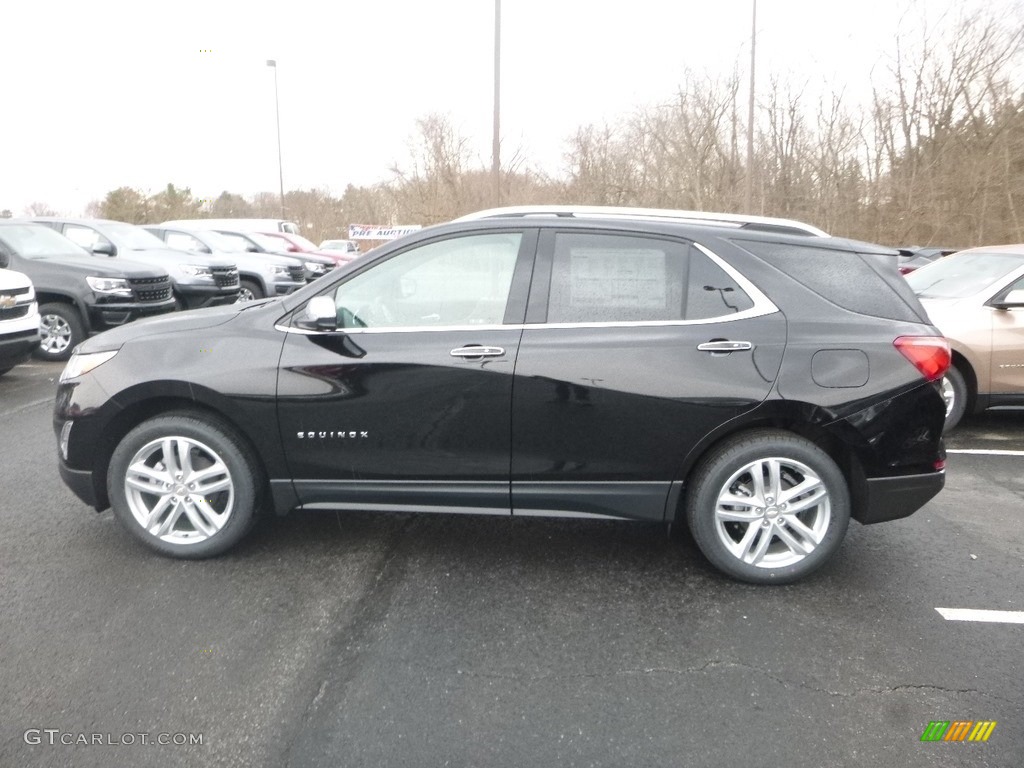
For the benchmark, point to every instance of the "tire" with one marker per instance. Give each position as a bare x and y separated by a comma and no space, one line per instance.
249,290
717,510
954,392
156,502
61,330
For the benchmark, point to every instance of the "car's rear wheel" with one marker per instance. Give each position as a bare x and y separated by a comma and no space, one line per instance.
249,290
768,507
185,484
954,393
60,331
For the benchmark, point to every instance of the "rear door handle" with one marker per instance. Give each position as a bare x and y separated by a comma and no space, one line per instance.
476,350
724,346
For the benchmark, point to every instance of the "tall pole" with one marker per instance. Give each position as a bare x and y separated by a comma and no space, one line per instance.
496,139
749,201
277,107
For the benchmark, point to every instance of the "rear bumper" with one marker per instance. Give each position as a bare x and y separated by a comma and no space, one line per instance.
890,498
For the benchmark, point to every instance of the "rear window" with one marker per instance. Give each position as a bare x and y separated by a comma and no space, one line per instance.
851,280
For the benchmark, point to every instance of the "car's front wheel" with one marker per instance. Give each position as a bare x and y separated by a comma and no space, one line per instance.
768,507
60,331
249,290
185,484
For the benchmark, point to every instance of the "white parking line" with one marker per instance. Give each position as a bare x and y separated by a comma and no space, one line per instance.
970,614
985,452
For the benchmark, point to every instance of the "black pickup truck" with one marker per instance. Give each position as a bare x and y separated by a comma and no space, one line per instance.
78,294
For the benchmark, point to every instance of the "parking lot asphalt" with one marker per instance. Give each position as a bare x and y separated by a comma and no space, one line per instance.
364,640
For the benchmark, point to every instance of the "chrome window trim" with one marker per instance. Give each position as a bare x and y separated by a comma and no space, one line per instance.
762,306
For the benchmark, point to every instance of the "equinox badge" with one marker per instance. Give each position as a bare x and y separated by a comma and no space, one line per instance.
332,435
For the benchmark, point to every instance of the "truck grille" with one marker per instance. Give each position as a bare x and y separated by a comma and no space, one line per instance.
225,278
151,288
15,291
297,273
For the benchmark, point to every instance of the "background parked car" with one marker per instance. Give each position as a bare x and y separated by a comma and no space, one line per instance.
349,247
260,274
297,244
915,257
976,298
316,266
248,225
198,280
19,317
79,294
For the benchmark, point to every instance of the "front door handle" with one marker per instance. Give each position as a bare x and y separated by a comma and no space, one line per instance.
475,350
723,345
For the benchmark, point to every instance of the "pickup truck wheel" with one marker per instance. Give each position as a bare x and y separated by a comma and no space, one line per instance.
249,290
184,484
768,507
61,330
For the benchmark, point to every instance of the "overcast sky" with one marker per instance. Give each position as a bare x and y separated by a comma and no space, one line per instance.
105,93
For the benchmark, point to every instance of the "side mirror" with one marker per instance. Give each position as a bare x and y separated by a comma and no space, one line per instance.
106,249
321,314
251,249
1012,300
293,248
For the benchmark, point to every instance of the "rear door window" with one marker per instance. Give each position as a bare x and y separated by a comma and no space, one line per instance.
613,278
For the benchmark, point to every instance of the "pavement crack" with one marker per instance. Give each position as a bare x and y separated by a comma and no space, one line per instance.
723,664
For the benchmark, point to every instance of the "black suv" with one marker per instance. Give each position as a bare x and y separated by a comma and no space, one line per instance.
77,293
751,377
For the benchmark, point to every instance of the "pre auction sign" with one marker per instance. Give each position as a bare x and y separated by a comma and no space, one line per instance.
379,232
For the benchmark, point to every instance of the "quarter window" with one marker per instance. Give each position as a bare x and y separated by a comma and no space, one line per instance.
459,281
620,278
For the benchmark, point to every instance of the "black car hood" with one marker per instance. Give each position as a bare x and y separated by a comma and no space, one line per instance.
176,323
91,265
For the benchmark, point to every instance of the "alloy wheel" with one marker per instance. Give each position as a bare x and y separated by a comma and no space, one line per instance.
772,512
179,490
55,334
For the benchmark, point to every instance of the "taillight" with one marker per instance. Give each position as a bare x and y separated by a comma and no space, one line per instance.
929,354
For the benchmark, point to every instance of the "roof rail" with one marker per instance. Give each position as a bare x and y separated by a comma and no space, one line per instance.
736,220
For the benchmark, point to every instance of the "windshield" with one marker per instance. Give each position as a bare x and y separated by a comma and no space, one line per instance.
34,241
268,242
133,238
229,243
309,245
956,277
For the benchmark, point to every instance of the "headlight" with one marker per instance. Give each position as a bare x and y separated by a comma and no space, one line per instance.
316,267
195,270
81,364
112,286
276,270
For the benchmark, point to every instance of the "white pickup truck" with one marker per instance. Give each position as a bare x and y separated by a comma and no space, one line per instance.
19,319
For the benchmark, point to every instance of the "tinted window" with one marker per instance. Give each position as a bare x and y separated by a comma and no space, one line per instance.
460,281
851,280
620,278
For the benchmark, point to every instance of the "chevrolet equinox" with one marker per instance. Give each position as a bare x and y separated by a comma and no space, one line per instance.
751,378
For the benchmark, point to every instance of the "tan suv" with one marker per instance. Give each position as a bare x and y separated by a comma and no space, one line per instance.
976,298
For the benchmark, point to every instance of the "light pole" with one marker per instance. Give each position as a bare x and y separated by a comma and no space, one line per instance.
277,108
749,197
496,139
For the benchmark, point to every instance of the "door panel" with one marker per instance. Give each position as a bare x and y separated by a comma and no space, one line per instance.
612,388
408,403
